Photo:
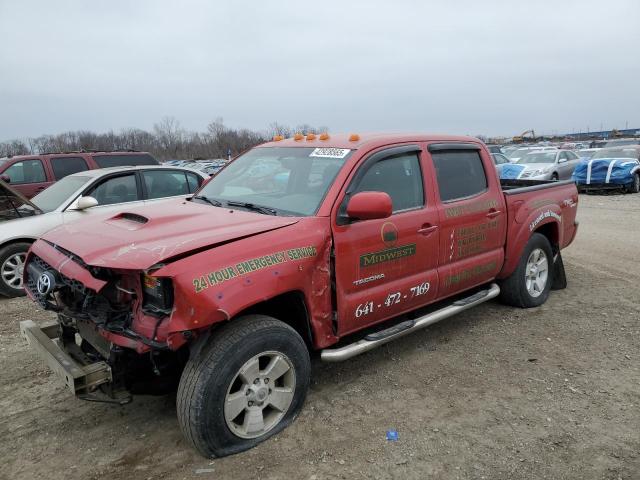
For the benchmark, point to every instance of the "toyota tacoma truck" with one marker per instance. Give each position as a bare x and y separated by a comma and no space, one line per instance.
333,244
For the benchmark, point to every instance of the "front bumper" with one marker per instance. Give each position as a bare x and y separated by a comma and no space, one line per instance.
82,379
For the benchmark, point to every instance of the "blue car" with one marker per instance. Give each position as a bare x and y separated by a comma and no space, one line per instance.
610,169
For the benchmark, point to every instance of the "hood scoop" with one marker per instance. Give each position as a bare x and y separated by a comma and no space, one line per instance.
128,220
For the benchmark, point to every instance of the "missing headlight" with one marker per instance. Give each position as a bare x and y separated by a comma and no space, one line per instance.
157,295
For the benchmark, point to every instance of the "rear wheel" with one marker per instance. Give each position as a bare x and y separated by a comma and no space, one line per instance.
530,283
245,386
635,185
12,259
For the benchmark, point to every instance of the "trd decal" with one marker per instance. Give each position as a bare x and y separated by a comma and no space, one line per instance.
388,255
242,268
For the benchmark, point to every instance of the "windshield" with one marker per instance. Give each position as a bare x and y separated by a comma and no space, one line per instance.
538,157
54,196
289,180
618,153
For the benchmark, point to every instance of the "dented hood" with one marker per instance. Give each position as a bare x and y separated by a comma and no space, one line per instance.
140,237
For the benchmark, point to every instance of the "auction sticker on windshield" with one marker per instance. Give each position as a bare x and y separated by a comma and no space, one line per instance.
330,152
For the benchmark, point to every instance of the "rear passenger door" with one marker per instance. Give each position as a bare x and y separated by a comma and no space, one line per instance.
471,216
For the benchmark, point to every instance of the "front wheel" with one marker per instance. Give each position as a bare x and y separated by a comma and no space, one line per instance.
530,283
635,185
554,177
246,385
12,259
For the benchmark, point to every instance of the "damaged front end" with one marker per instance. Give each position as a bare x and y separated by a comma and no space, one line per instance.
111,338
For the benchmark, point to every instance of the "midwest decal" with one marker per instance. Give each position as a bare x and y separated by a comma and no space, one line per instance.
388,255
252,265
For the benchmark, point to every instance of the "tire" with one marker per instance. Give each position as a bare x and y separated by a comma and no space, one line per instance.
212,389
554,177
635,185
518,290
11,265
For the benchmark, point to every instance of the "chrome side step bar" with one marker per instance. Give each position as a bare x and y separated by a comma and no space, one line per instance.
374,340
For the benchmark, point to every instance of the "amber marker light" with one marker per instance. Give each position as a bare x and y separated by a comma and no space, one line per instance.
324,136
311,136
298,136
277,138
354,137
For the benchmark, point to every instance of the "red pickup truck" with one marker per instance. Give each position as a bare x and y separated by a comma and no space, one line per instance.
335,244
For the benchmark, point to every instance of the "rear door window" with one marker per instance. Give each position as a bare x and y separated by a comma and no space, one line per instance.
63,166
165,183
460,174
116,190
105,161
26,171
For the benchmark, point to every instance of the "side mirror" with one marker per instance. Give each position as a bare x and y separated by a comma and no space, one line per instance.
5,178
86,202
369,206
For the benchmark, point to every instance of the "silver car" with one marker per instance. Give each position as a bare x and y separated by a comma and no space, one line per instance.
74,197
543,165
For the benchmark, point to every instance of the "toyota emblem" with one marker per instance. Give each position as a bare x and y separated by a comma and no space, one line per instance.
45,283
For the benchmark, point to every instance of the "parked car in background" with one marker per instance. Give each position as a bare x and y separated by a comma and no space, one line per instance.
587,153
78,196
542,165
518,153
615,168
619,142
494,148
31,174
500,160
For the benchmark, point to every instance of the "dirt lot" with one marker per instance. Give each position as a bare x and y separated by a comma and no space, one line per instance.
494,393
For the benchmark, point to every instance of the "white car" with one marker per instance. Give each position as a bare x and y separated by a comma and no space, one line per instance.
73,197
542,165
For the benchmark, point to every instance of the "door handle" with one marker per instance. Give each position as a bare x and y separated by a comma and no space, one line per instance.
427,229
493,213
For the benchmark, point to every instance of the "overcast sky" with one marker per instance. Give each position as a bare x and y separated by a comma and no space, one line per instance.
461,67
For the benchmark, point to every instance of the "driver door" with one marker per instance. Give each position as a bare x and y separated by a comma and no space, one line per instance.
385,267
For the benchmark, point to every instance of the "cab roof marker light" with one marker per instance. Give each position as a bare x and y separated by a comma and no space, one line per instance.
311,136
354,137
277,138
324,136
298,136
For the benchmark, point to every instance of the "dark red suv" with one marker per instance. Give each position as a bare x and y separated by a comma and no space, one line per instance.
30,174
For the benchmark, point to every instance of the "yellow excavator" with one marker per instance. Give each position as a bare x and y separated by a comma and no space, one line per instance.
522,137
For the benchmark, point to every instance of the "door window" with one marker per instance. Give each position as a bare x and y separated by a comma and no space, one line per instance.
194,182
460,174
63,166
26,171
165,183
400,177
116,190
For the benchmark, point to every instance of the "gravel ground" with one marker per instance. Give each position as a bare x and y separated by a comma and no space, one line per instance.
493,393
